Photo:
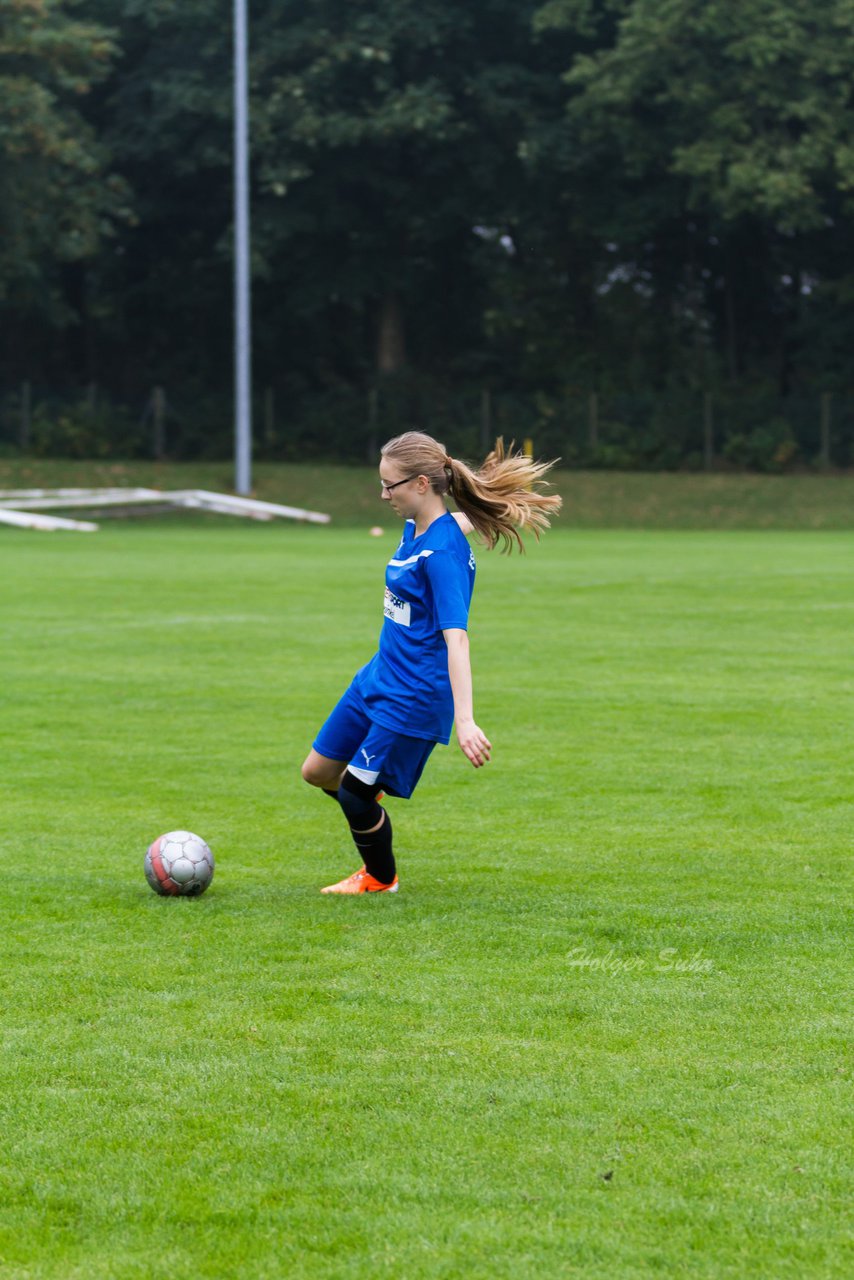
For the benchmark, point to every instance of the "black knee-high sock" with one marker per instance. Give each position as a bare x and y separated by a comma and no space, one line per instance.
375,848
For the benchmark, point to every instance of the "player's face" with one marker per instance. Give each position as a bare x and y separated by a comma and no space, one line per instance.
399,490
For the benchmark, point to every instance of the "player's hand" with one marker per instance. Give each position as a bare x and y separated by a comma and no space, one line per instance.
474,743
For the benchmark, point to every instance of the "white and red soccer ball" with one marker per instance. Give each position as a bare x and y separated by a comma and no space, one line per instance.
179,864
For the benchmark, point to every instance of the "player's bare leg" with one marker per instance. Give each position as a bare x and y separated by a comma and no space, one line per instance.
320,771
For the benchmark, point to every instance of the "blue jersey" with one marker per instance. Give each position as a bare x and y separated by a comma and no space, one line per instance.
429,582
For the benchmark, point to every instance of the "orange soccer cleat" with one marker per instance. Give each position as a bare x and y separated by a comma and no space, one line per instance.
361,882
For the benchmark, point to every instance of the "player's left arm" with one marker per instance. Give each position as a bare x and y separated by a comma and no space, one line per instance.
473,741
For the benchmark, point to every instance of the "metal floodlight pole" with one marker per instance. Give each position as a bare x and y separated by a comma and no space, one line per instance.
242,322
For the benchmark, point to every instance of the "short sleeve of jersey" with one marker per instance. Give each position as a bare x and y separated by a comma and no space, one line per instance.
450,582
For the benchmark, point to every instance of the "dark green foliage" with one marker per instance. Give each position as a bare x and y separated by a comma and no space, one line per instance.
647,202
60,197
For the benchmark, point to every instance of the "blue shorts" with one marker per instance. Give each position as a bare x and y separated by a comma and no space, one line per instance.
373,753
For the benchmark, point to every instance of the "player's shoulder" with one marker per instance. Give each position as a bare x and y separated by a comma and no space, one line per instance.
445,534
448,546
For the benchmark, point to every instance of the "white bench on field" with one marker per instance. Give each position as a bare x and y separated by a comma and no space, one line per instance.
23,507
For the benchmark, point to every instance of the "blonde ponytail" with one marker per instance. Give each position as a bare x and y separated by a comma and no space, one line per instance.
499,499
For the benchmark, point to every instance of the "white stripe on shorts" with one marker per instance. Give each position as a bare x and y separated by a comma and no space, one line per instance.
368,776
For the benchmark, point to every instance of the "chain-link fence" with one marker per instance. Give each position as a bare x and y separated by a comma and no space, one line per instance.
654,431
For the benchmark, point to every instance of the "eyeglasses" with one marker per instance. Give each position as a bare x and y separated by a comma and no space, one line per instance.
387,488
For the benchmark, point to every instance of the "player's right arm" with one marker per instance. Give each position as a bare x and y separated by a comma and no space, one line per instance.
473,741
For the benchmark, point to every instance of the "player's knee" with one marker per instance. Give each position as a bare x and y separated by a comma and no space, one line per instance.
311,774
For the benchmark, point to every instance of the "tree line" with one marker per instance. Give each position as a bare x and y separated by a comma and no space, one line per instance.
457,210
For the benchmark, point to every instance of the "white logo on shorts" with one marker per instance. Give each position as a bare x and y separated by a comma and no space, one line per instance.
368,758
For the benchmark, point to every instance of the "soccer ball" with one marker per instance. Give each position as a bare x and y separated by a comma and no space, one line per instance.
179,864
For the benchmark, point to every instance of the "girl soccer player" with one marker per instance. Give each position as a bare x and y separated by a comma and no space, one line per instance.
378,738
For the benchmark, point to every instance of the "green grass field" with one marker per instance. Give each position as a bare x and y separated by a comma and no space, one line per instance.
600,1032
